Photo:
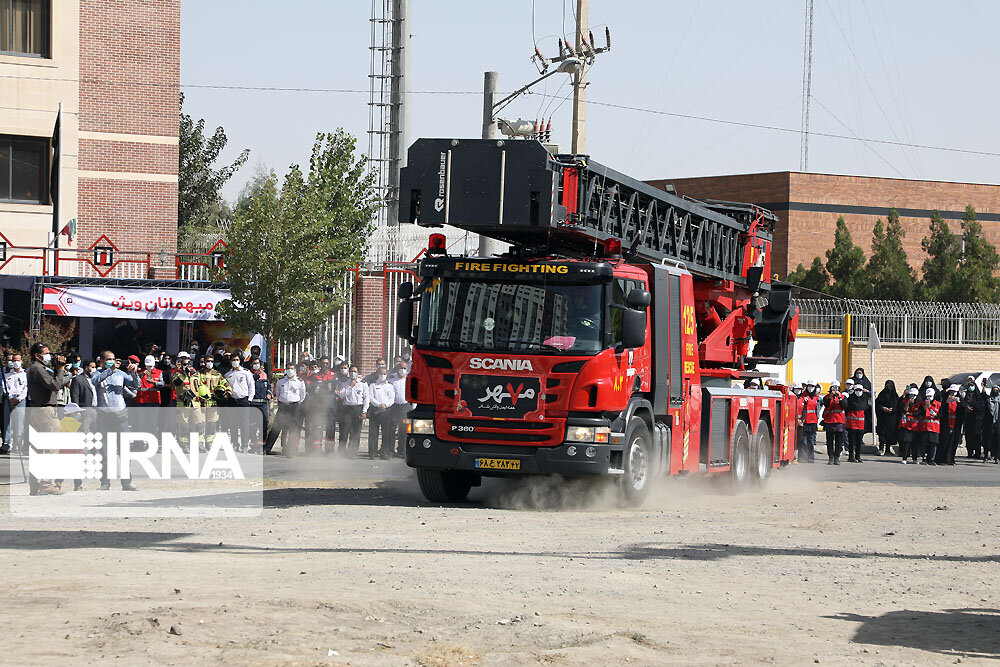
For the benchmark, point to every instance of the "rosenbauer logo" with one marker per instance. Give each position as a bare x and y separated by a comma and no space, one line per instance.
493,364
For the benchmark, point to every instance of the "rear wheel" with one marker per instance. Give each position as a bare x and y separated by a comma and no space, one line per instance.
739,461
637,460
444,486
763,453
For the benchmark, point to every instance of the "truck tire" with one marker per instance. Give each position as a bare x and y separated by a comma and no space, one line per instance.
444,486
637,461
739,461
763,454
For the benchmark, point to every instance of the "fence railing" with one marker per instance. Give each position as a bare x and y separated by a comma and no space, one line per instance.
904,321
106,262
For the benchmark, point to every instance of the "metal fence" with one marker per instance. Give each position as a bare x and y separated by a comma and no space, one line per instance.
341,334
904,321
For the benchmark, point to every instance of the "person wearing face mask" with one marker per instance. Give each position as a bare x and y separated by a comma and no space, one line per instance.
214,391
353,394
908,424
991,434
929,427
46,376
858,404
887,418
834,421
808,421
974,407
150,382
381,396
290,391
951,426
16,381
399,409
82,391
243,386
115,386
261,400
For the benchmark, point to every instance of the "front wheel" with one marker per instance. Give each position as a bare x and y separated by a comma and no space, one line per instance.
444,486
637,462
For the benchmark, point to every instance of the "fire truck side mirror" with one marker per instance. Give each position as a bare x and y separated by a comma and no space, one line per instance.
637,298
404,313
633,328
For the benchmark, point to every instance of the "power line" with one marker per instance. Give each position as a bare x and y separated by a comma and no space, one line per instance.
777,128
610,105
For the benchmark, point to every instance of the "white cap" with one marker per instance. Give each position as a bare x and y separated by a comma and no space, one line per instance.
955,388
754,382
811,383
929,392
149,360
797,385
72,409
849,382
912,391
835,383
183,355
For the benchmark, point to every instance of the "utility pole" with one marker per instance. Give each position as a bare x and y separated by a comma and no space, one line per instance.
487,246
398,104
580,80
807,66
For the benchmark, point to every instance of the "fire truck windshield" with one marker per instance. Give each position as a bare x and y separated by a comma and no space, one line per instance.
522,317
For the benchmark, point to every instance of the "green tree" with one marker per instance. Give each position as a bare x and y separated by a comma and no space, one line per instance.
814,278
944,250
889,271
975,280
290,248
199,181
845,263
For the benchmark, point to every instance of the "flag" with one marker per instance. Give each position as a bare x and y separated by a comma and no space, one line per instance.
69,231
54,178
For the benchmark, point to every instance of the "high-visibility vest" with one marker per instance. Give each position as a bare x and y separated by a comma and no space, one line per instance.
856,420
929,411
833,412
810,410
951,409
908,419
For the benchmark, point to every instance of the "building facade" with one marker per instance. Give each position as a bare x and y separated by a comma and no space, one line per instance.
808,205
109,71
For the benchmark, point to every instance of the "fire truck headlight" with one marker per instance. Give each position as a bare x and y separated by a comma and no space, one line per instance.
420,426
591,452
598,434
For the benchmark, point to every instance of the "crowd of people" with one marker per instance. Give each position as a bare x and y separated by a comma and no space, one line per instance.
926,423
317,406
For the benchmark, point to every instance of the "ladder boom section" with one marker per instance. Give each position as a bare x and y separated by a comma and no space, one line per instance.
518,192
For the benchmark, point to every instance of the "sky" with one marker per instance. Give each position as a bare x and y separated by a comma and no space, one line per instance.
907,71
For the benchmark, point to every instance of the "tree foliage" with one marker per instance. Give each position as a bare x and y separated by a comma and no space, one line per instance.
944,250
889,270
845,263
199,180
290,247
975,280
814,278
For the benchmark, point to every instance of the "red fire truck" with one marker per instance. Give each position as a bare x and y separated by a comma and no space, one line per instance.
606,341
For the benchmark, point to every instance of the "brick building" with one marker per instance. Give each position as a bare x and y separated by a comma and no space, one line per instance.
114,67
808,205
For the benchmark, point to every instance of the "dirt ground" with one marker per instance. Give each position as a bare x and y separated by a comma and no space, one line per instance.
365,573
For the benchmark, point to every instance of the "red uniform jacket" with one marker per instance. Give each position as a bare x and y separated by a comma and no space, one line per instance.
149,393
834,412
929,412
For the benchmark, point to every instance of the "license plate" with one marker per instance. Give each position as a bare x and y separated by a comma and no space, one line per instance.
498,464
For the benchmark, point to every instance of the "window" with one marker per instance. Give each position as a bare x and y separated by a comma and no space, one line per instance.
620,287
24,165
24,27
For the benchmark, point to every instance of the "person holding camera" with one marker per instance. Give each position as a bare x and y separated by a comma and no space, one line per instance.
46,377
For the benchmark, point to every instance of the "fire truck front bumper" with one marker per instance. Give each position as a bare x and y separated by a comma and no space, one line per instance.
570,459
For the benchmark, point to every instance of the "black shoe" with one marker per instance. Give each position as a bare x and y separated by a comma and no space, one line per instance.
128,487
105,486
270,452
830,462
858,460
836,462
4,450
